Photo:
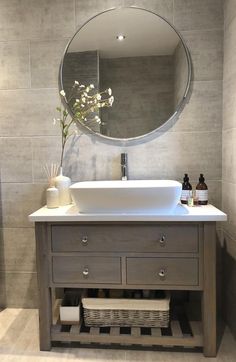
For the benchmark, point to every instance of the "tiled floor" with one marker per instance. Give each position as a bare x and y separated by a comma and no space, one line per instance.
19,342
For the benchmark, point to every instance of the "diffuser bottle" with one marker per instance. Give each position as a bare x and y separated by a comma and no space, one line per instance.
52,193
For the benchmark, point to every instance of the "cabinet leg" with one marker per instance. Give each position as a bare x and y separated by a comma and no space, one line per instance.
45,298
45,317
209,291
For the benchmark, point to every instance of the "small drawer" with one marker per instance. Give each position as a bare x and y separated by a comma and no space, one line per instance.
162,271
161,238
92,269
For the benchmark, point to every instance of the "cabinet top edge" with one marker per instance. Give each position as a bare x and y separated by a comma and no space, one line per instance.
182,213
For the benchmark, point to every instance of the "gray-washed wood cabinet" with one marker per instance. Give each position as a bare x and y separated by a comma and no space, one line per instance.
128,255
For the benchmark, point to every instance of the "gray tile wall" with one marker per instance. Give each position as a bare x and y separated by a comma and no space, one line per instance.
128,75
229,162
83,66
31,48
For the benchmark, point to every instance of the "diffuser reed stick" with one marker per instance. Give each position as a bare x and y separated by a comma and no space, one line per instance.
51,171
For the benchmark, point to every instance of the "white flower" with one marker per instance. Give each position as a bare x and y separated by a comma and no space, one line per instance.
98,96
87,89
111,100
82,105
91,86
109,91
83,99
82,86
97,119
76,82
62,93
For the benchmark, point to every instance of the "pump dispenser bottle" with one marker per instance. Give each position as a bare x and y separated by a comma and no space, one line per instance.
186,189
202,191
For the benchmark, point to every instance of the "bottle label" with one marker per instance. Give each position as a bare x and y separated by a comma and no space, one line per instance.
202,195
186,194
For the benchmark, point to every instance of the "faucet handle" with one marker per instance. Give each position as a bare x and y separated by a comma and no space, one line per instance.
124,168
123,158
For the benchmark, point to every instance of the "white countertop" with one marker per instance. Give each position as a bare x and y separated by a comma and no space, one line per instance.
181,213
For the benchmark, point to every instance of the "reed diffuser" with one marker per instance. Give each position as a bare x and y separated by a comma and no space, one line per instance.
52,193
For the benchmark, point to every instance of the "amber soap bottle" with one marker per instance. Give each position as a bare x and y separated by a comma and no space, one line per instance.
202,191
186,189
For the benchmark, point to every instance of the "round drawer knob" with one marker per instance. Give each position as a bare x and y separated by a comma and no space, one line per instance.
162,273
162,240
84,240
85,272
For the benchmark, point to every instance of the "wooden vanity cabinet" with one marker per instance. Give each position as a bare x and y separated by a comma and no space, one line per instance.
128,255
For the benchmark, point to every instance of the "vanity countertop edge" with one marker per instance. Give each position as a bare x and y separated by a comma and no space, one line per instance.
181,213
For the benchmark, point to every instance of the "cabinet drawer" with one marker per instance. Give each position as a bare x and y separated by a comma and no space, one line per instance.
162,271
127,238
76,269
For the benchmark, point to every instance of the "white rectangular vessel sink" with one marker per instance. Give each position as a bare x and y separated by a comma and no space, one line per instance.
132,196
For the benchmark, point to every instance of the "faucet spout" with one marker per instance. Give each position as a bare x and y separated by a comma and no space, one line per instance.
124,166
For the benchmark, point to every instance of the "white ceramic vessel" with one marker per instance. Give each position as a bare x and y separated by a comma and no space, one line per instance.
132,196
63,183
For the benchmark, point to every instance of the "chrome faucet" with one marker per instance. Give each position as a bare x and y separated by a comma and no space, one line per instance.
124,166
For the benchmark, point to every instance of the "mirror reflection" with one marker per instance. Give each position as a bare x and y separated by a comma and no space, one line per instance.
141,58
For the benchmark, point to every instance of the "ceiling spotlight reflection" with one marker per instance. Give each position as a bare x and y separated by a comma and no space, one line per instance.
120,37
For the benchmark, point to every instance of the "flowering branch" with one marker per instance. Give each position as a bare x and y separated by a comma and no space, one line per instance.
84,104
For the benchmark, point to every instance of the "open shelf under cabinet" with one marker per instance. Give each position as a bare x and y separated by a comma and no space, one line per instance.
181,332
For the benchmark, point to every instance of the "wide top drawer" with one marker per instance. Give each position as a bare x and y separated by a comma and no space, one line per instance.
181,238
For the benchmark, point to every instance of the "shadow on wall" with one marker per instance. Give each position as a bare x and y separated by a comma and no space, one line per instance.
71,156
2,268
29,300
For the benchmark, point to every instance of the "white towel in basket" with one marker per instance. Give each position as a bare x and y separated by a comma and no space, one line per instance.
126,304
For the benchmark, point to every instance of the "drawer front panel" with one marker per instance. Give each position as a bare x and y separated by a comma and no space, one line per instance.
73,269
128,238
162,271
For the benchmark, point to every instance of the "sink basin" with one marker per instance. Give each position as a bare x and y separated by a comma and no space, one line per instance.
132,196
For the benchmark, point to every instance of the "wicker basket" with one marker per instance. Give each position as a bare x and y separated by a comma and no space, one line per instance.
104,312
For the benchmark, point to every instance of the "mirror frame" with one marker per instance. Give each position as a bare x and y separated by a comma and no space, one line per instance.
147,136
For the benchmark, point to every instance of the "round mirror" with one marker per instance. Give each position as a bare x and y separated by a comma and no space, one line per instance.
142,58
